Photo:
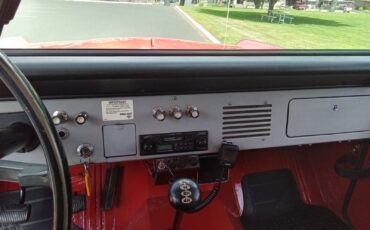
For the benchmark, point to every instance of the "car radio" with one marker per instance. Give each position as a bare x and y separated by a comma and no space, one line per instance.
167,143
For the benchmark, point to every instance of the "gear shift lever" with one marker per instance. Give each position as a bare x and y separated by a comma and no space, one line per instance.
184,196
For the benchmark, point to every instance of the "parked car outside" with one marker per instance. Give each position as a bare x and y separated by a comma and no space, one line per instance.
300,6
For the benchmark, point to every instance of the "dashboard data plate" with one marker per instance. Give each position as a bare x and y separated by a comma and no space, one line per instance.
117,110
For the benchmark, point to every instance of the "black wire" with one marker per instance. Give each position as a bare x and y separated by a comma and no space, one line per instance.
352,185
150,167
212,195
172,174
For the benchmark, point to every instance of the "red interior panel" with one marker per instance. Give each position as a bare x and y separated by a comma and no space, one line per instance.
143,205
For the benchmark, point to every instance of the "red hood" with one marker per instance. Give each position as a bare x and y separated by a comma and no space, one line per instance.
130,43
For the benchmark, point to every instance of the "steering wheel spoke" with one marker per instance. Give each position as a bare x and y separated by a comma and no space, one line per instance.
55,174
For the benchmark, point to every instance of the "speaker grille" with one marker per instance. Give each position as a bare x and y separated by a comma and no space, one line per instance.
245,121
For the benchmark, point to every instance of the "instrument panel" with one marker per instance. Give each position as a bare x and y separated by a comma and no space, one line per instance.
144,127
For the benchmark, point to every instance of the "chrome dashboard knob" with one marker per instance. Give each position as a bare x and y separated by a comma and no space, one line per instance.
193,111
176,112
81,118
59,117
159,113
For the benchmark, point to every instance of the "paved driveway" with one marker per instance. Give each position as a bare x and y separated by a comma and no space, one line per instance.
60,20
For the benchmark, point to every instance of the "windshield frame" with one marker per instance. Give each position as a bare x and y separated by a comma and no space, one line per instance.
179,52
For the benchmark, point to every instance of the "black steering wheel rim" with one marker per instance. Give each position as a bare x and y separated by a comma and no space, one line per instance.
58,173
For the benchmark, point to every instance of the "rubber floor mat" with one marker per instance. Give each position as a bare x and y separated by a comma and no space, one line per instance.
272,202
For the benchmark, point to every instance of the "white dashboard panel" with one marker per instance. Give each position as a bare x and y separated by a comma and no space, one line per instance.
251,120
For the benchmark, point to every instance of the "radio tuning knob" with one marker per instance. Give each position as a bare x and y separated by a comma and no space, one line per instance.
176,112
201,142
159,114
59,117
148,146
193,112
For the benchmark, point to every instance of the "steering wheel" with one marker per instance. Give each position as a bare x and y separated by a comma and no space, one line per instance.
58,174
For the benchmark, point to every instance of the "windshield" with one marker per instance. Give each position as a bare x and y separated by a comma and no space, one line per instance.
189,24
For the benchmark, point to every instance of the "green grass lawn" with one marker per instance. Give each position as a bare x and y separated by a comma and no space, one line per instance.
309,30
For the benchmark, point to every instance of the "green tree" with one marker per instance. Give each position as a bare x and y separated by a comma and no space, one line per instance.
290,2
333,6
272,4
258,3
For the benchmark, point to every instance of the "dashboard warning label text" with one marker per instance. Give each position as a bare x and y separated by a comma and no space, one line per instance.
117,110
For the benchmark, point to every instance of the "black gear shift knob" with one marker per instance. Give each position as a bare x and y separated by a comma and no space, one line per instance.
184,194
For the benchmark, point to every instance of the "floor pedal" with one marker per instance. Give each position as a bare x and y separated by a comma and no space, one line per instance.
14,213
111,186
272,202
40,215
